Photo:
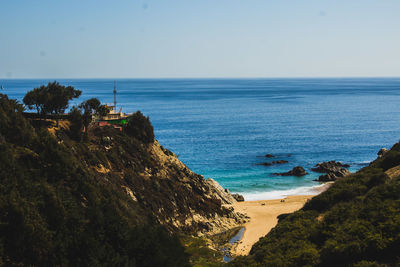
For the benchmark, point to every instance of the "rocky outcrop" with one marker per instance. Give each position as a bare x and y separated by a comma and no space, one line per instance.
281,161
219,192
222,194
329,166
264,164
296,171
333,169
269,156
273,162
238,197
198,203
155,180
382,152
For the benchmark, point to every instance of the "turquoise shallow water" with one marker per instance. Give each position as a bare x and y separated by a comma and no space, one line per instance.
222,127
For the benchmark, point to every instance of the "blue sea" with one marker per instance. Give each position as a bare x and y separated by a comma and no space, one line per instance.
221,128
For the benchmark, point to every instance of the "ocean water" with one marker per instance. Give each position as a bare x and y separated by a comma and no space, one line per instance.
221,128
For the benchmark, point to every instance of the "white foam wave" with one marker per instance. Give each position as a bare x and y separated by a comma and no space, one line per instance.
306,190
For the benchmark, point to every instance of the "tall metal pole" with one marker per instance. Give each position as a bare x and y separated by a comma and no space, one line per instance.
115,97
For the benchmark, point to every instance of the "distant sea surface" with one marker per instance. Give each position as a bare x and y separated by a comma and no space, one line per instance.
221,128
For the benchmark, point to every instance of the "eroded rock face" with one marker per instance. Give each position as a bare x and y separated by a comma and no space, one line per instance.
296,171
154,179
199,204
334,170
219,192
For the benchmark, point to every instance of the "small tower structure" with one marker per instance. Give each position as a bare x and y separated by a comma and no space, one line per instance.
114,117
115,97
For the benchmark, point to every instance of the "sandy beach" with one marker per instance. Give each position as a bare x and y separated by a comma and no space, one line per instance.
263,217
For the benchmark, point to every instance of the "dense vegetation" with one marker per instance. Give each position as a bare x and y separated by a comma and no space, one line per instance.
90,108
72,194
356,222
140,127
54,210
50,99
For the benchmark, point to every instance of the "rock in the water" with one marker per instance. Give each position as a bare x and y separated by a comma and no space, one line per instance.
296,171
281,161
327,178
329,166
238,197
273,162
269,156
382,152
334,170
264,163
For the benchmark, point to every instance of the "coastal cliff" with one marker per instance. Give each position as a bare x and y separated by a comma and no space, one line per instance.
111,199
154,177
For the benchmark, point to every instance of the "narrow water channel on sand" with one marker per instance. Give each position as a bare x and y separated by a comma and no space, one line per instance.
228,257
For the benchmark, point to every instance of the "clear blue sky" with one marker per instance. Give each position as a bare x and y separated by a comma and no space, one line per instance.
203,38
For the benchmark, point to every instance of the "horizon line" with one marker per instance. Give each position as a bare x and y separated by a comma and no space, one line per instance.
204,78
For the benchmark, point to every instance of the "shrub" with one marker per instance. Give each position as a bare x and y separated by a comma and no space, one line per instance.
140,128
76,127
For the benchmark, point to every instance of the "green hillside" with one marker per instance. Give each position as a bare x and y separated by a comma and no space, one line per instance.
356,222
56,210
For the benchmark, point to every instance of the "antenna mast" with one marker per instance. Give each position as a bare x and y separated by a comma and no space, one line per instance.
115,97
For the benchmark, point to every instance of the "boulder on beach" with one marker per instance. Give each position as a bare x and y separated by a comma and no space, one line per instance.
296,171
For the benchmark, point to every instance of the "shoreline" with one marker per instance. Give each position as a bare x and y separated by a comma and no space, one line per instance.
263,217
281,194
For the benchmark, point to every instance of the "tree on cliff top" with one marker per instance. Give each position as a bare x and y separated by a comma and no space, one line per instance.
76,126
51,99
140,127
92,107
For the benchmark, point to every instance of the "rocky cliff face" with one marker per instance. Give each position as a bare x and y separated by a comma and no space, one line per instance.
158,181
219,192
